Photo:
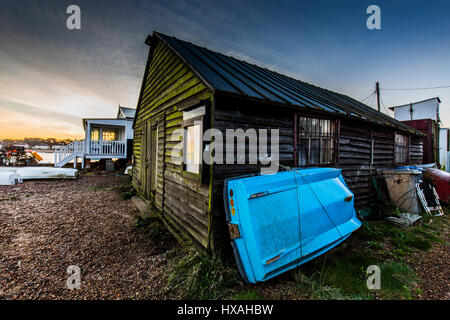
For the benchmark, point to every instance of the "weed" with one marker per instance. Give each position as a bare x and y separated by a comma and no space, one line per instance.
128,194
375,244
197,276
316,288
151,226
396,280
421,244
344,277
368,232
247,295
140,222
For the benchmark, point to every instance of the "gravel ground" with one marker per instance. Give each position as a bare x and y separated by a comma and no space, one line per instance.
431,267
47,226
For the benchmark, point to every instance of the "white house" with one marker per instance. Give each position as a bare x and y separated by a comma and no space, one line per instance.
105,138
425,109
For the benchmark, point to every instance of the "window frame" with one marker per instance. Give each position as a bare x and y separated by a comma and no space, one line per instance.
334,139
405,147
95,129
195,116
108,131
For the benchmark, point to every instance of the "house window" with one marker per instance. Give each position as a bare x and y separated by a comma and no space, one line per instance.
95,133
192,148
109,135
401,148
316,141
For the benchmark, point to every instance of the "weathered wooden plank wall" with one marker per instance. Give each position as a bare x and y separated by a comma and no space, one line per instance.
196,208
355,145
169,86
241,114
416,150
362,150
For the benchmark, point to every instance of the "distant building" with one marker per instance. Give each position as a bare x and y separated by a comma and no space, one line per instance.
105,138
425,109
42,147
25,145
424,116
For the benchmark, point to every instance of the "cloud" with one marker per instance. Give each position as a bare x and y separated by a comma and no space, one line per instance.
15,124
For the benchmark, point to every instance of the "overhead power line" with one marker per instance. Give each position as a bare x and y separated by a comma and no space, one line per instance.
368,96
426,88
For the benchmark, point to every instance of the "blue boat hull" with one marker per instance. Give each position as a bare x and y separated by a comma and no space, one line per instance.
280,221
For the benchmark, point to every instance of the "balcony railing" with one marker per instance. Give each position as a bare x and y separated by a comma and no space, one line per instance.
99,147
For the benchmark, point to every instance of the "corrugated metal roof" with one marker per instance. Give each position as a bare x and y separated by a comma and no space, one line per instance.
403,105
127,112
230,75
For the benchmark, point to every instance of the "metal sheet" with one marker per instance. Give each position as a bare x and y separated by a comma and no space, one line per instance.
230,75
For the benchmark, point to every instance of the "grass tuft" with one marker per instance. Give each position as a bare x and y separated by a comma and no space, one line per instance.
248,295
197,276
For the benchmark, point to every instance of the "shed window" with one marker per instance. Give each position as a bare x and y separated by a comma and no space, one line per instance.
316,141
401,148
192,148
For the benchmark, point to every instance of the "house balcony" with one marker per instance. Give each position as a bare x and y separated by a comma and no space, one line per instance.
91,149
105,149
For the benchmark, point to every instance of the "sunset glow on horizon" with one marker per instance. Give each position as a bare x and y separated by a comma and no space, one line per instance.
51,77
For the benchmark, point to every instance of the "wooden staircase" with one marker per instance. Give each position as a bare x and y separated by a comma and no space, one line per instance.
68,153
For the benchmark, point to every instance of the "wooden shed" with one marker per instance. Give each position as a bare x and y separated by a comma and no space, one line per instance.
192,88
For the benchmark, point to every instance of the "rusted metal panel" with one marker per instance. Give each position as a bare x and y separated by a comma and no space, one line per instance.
430,141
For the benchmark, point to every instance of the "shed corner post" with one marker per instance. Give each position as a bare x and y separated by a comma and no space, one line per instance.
407,149
295,139
338,141
209,249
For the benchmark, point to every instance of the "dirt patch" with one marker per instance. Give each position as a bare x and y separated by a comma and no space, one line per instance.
46,226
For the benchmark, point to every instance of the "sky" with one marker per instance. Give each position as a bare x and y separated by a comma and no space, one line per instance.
52,77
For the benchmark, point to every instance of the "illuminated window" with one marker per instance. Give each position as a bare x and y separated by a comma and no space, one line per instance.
401,148
109,135
192,148
316,141
95,133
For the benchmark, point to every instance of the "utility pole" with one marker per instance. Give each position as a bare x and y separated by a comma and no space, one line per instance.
377,91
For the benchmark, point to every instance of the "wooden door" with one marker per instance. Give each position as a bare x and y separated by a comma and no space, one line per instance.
144,160
152,172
